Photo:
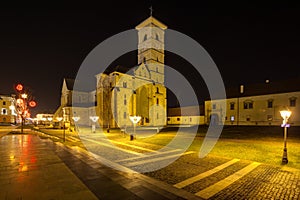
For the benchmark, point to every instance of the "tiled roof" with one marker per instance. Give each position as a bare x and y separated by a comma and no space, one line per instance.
186,111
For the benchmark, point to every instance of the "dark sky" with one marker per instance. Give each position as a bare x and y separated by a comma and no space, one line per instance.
39,45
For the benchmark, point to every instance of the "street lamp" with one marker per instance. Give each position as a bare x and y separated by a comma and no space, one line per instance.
76,119
94,119
285,114
134,120
60,119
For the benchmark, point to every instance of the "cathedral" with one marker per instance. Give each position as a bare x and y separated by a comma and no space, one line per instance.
138,92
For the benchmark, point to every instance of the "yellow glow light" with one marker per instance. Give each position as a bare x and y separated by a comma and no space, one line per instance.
24,96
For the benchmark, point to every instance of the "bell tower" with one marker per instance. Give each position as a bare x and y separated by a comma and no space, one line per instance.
151,48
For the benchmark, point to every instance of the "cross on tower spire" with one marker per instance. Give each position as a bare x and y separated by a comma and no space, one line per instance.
151,11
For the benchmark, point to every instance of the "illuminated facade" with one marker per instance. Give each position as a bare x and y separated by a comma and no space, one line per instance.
257,105
119,95
141,92
7,110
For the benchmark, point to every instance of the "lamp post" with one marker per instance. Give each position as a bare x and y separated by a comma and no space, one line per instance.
134,120
49,119
285,114
94,119
59,119
76,119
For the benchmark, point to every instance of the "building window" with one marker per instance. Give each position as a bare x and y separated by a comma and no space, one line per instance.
157,90
124,84
269,117
293,102
157,101
232,118
4,111
156,37
178,119
125,115
248,105
248,119
191,119
144,60
145,37
270,103
4,103
169,119
231,106
214,106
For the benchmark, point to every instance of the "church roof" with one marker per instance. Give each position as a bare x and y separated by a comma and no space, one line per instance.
69,83
82,86
151,20
116,68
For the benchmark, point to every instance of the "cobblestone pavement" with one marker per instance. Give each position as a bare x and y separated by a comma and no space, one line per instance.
263,182
266,182
34,168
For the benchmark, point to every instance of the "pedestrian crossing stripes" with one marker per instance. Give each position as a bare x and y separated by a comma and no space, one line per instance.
205,174
107,144
217,187
156,159
146,156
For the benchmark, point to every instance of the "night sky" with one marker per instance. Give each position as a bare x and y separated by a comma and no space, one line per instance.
40,45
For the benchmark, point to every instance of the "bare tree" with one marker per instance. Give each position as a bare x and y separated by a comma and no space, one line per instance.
23,102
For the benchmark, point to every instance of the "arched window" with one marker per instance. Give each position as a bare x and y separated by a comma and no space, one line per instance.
144,59
145,37
156,37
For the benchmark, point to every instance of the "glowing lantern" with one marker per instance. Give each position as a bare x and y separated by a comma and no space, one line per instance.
32,104
19,87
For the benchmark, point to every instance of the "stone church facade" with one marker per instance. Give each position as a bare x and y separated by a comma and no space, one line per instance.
140,92
118,95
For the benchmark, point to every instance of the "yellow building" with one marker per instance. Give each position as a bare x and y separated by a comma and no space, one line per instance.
7,110
142,92
119,95
257,104
188,116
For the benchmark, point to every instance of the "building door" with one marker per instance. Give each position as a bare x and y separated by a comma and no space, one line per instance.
214,119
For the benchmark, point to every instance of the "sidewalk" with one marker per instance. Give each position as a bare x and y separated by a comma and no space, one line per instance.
34,168
29,169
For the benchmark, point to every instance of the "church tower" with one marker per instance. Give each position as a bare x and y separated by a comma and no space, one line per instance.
151,48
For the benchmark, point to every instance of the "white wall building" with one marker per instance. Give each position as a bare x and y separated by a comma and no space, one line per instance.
257,104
